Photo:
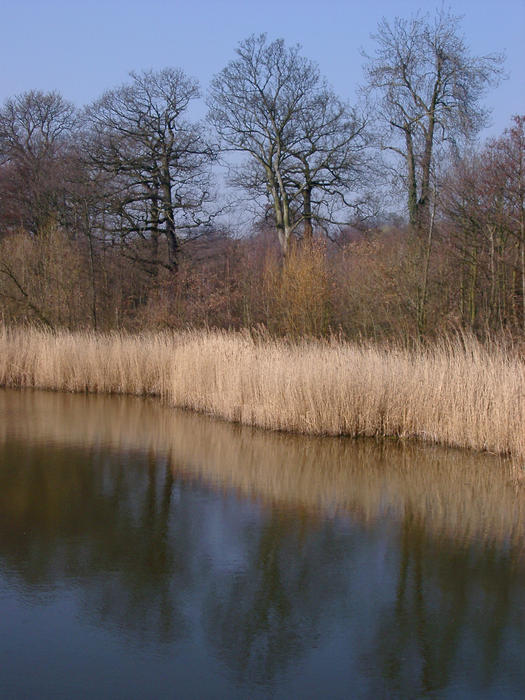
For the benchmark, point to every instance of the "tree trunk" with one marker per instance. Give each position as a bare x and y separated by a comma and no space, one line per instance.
422,311
307,213
412,184
169,218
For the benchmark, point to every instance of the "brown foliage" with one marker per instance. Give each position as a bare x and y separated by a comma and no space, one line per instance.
297,290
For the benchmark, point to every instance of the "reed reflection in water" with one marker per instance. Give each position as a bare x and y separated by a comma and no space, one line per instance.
273,563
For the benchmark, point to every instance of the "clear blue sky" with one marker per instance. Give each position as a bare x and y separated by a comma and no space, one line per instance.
81,48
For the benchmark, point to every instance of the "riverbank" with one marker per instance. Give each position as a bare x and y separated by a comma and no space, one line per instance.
455,393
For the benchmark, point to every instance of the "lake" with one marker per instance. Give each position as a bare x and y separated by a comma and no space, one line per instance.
147,552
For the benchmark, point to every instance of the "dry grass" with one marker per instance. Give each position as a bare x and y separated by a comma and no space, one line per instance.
457,393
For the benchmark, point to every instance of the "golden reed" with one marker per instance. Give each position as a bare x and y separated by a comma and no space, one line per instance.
457,393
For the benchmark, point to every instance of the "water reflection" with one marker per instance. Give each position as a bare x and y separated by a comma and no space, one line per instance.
276,563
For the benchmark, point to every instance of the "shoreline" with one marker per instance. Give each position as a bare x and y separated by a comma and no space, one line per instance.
456,394
363,479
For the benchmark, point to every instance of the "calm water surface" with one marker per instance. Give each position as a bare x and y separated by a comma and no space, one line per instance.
149,553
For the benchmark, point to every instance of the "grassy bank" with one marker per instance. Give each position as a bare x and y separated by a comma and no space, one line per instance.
459,394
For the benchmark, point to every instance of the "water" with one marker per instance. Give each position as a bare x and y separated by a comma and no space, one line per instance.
151,553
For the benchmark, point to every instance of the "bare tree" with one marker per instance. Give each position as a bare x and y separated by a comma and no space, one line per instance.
35,135
158,161
427,89
305,146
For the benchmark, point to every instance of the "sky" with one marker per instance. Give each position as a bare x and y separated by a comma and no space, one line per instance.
81,48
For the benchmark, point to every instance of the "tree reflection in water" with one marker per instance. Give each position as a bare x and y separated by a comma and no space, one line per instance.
273,610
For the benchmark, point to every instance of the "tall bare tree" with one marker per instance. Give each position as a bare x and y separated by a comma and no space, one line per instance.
158,160
426,89
305,146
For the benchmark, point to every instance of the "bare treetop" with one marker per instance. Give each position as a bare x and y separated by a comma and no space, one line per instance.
34,123
35,136
152,99
305,145
426,89
159,160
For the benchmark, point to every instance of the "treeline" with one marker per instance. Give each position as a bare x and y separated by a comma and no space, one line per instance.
113,215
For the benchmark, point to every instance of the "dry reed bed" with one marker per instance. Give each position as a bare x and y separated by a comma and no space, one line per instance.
456,393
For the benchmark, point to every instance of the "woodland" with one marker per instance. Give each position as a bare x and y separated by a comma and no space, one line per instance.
386,219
